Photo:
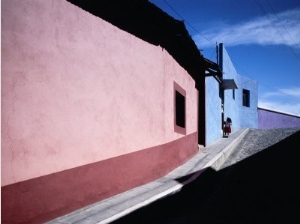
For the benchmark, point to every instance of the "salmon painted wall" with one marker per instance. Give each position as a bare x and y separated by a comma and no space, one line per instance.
79,94
76,90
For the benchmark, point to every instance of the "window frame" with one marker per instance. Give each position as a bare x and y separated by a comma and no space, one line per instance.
246,98
178,127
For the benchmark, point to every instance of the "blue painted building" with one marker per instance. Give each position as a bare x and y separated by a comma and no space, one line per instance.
230,95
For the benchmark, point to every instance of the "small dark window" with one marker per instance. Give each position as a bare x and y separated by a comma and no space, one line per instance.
233,94
246,98
180,110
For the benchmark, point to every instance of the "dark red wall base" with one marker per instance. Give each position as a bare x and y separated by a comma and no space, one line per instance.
48,197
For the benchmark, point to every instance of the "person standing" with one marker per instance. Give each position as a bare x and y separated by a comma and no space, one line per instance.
227,127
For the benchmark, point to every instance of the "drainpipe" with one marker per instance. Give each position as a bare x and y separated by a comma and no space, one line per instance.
221,90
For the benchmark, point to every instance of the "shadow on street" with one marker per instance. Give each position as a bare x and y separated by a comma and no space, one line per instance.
262,188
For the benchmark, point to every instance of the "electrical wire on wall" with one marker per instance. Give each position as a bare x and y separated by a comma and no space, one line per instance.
281,31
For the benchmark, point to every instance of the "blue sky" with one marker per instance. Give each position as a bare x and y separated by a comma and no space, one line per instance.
262,38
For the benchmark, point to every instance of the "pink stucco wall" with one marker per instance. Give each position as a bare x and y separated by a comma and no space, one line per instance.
77,90
80,99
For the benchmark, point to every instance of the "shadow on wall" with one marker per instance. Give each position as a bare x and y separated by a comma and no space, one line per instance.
153,25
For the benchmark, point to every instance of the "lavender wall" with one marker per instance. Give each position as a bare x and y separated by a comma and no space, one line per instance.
268,119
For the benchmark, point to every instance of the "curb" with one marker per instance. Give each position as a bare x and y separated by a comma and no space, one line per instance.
215,163
171,190
221,157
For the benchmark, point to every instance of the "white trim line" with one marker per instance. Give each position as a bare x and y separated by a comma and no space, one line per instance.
171,190
227,150
278,111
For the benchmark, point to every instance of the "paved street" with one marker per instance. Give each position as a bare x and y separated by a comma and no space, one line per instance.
257,184
257,140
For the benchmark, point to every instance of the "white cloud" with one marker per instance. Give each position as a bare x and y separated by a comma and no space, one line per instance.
293,92
290,108
272,29
284,100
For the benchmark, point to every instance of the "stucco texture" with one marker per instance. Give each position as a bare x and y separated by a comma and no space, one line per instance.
241,116
77,90
213,110
270,119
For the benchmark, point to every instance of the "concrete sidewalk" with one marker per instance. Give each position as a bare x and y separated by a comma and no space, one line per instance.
113,208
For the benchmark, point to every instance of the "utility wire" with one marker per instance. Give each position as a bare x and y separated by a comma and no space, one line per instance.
279,31
214,43
272,88
188,23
